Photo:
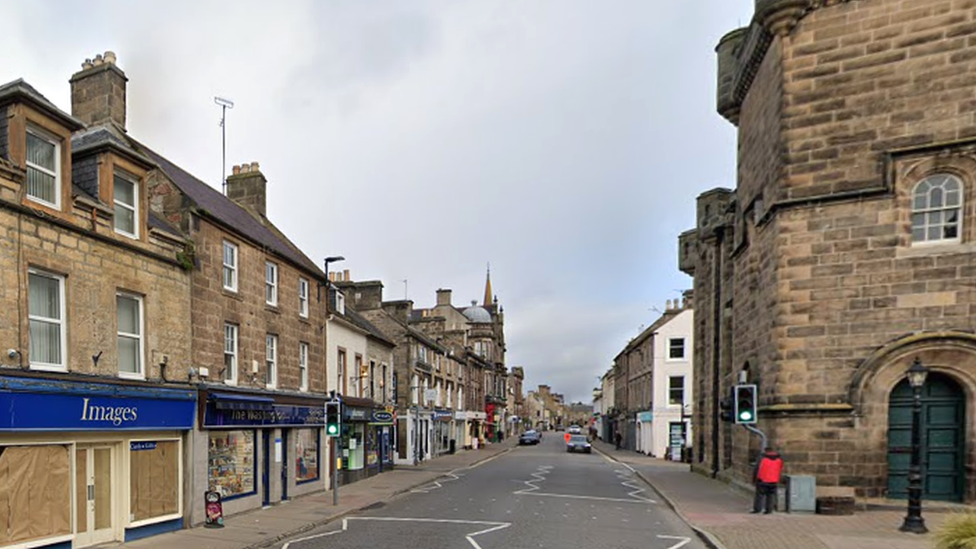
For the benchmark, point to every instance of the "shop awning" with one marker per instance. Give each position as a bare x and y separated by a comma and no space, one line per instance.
232,401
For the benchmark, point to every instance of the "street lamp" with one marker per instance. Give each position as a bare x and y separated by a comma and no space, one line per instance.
913,520
331,259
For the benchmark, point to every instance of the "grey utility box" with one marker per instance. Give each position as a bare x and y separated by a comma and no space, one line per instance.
801,494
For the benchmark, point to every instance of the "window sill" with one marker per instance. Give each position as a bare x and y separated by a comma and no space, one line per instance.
272,308
46,368
154,520
233,294
924,249
230,382
43,542
126,375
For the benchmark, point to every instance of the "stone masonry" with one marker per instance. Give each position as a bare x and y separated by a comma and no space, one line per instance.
807,276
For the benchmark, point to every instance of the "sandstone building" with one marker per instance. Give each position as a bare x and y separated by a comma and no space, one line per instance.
845,250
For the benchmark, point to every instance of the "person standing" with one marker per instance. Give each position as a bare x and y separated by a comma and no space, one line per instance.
617,438
768,473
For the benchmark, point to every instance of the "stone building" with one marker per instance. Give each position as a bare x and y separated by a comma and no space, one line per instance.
516,401
845,251
360,361
94,327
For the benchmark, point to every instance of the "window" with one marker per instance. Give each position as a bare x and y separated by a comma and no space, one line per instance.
307,455
126,206
372,379
415,389
383,384
230,266
271,361
303,366
270,283
231,462
47,327
676,348
35,501
676,390
359,373
341,382
154,479
340,303
43,169
129,315
230,353
422,353
936,209
303,298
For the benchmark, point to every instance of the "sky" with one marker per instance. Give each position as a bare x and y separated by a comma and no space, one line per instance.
561,142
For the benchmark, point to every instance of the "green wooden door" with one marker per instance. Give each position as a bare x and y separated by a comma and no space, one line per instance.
943,444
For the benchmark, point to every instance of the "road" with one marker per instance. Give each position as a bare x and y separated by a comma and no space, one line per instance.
532,497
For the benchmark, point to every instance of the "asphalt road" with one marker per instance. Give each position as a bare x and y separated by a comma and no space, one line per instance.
533,497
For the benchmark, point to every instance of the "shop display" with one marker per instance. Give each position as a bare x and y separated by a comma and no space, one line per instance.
231,462
307,455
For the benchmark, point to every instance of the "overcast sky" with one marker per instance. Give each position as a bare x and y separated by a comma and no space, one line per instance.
561,141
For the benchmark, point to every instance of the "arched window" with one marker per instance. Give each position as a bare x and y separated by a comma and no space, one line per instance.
937,209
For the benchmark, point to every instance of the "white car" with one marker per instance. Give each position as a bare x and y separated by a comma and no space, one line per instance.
575,430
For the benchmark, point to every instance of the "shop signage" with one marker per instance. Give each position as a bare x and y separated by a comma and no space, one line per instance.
382,417
279,414
443,415
30,405
137,446
645,417
357,414
215,510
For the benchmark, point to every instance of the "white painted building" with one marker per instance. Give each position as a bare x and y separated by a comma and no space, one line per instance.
672,396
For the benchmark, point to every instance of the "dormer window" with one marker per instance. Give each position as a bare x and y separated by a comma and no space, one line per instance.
340,303
43,169
126,210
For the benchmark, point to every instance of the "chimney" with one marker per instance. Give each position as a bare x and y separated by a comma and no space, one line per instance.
247,186
98,92
444,297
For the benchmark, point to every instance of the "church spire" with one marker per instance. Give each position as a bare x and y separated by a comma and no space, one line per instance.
488,288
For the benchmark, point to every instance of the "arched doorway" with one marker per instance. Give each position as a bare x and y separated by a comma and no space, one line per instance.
942,438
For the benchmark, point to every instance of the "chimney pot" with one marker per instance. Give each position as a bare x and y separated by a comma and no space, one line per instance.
98,60
345,273
236,169
87,64
254,166
110,57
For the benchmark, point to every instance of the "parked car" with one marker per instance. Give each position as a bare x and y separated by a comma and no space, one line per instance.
575,430
560,428
530,437
578,443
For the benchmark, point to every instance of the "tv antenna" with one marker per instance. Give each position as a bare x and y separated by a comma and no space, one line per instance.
224,105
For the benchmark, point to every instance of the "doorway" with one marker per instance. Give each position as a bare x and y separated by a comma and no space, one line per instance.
94,485
942,439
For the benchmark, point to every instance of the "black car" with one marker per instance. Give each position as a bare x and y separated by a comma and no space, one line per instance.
578,443
530,437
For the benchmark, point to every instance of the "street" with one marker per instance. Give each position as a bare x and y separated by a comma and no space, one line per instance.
533,497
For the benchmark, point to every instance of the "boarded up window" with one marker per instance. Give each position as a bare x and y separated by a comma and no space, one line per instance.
35,493
154,479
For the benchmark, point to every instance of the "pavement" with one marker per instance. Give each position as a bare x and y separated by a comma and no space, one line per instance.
719,513
268,526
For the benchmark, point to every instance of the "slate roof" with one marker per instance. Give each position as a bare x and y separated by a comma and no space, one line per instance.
21,89
212,203
361,321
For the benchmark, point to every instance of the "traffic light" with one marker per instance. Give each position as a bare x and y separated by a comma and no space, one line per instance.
745,404
333,418
726,406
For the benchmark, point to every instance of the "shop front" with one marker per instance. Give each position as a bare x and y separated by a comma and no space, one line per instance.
257,449
415,432
443,426
86,463
380,456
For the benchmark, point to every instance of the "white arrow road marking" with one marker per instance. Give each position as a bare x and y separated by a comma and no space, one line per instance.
683,541
436,485
492,526
539,476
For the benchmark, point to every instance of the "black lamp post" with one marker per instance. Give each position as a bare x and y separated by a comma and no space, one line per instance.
913,521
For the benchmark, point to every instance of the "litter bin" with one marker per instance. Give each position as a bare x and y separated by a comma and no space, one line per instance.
452,446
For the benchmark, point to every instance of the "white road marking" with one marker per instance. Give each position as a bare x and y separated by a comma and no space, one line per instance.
316,536
540,475
470,537
436,485
683,541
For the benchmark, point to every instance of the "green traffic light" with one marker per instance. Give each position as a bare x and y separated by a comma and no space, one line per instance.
333,429
745,416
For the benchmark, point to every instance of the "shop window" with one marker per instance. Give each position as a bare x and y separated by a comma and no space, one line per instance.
154,479
231,462
307,455
35,493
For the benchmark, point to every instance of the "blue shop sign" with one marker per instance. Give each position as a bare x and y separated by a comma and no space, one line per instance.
278,414
49,405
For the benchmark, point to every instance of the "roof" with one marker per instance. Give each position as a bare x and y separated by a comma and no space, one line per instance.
477,315
213,204
19,89
361,321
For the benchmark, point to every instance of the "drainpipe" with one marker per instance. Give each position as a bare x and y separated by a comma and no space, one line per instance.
716,346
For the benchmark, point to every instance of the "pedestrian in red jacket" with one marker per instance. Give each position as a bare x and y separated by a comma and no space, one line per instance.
768,472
